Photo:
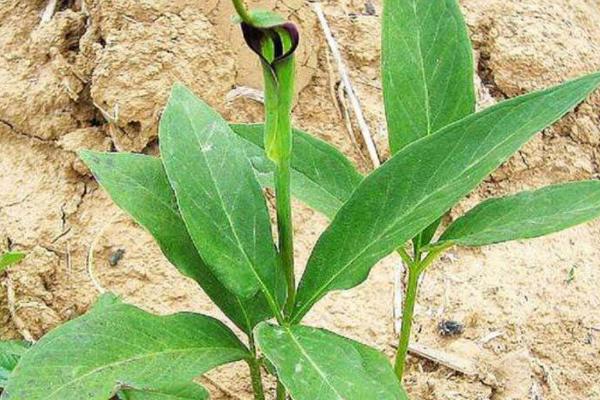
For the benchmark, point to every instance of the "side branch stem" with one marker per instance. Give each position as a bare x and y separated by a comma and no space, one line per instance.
415,269
407,317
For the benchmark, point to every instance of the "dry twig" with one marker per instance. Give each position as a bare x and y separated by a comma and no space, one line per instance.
345,77
246,92
49,11
12,309
491,336
221,388
452,361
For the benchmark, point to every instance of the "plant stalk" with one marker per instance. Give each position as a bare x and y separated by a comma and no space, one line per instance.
240,8
415,269
279,93
285,230
407,317
255,374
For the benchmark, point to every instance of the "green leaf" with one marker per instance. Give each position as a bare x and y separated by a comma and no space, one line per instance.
322,177
219,198
139,185
527,215
427,68
8,259
187,391
10,353
423,181
117,345
315,364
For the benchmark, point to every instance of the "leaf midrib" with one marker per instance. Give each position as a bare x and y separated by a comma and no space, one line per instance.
262,284
176,214
422,70
310,360
323,287
491,223
134,359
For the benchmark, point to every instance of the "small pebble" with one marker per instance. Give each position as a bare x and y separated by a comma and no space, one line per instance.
450,328
370,8
115,257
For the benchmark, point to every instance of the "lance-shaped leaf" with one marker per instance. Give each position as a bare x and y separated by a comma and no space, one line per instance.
322,177
315,364
118,346
187,391
10,353
8,259
427,68
423,181
138,184
219,197
527,214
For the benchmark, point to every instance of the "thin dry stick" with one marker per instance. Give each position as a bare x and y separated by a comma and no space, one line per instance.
12,309
452,361
332,83
491,336
247,92
223,389
343,71
49,10
341,99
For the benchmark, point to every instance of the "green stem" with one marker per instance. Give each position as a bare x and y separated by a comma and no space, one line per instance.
415,269
240,8
285,230
255,374
432,256
405,257
280,393
279,93
407,317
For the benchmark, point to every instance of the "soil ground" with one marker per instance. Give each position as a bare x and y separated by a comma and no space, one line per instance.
97,74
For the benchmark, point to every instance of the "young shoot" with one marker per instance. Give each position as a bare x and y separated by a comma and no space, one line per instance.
203,202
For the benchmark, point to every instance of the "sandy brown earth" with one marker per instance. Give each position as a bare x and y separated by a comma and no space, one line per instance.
97,74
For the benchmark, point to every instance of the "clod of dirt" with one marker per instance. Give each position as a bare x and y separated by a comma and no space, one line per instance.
450,328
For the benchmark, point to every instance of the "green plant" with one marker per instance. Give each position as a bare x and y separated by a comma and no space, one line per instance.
10,353
203,203
11,258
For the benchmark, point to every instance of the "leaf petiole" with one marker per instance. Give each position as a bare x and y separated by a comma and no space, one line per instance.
405,256
407,317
